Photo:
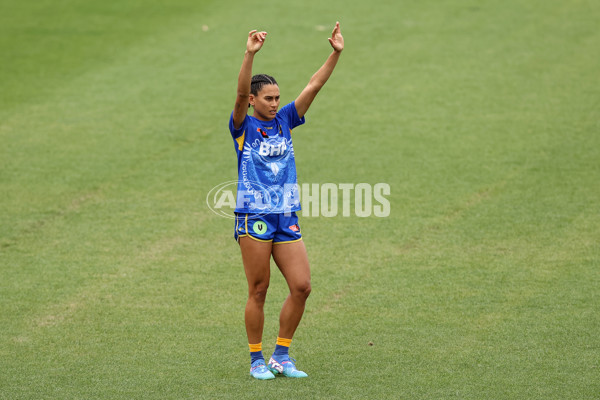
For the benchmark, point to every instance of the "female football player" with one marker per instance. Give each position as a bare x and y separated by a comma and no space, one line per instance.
267,200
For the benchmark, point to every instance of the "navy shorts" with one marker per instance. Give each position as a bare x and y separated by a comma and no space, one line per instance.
276,228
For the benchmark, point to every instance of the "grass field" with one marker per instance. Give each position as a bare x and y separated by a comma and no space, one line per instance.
118,282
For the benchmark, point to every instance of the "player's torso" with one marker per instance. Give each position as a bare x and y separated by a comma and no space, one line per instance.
267,174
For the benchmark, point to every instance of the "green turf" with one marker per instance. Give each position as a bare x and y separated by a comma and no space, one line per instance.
117,282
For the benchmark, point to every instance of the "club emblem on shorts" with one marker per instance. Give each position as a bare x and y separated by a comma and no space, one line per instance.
259,227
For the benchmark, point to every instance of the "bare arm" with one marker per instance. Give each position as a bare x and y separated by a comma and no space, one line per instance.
254,44
319,79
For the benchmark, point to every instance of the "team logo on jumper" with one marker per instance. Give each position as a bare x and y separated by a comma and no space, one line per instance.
270,161
262,133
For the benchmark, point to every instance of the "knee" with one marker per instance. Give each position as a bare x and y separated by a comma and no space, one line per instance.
258,292
302,291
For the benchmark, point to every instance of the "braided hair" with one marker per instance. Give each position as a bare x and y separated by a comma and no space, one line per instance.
258,81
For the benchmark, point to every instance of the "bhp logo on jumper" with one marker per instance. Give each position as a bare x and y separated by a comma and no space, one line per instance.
270,150
328,199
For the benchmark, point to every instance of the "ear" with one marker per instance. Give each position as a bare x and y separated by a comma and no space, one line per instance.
251,100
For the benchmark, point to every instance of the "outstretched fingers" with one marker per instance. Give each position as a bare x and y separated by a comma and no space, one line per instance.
336,29
337,40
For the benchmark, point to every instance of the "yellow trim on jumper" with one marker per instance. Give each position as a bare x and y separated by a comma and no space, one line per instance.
240,141
288,241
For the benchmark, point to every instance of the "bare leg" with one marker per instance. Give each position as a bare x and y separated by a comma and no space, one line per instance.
292,260
257,260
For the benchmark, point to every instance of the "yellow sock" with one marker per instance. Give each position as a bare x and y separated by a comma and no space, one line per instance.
255,347
284,342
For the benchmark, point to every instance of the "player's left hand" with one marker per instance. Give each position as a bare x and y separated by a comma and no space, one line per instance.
337,40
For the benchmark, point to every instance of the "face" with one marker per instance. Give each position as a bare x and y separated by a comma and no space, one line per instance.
265,103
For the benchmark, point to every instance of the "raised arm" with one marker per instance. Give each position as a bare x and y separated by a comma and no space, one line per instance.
254,44
317,81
